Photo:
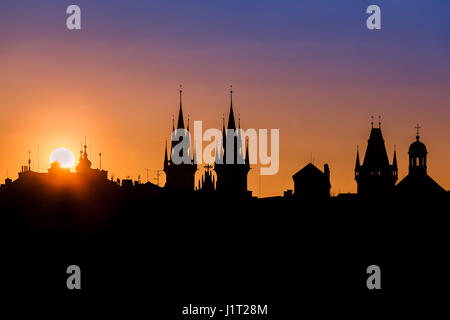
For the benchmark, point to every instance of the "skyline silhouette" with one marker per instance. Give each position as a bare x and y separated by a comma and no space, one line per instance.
375,176
361,116
292,68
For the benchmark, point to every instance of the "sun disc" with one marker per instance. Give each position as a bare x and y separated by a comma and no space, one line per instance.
63,156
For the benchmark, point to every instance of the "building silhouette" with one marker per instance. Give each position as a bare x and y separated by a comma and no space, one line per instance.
84,166
83,171
180,177
310,183
376,177
231,165
417,182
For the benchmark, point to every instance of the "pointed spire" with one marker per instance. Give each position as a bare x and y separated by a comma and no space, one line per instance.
224,135
180,124
357,158
394,162
231,122
166,158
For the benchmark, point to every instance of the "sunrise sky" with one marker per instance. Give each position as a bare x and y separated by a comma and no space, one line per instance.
309,68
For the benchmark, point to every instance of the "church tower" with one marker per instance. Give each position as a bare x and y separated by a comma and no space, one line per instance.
417,157
84,165
417,184
179,176
231,165
376,177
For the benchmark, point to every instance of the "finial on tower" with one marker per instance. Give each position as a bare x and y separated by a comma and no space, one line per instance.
371,121
231,95
379,122
418,131
85,146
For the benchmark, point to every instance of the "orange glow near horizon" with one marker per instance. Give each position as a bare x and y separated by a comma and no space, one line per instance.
129,128
121,91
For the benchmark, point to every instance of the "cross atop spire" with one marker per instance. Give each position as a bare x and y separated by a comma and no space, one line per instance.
418,130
